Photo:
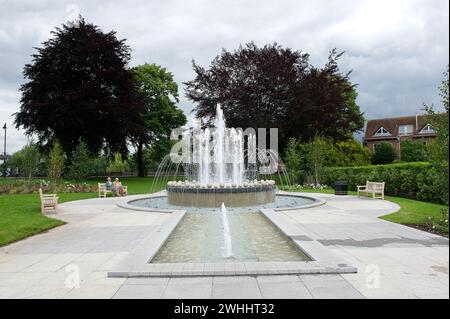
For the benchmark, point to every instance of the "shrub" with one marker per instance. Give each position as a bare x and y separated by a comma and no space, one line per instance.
22,186
303,160
118,165
81,166
413,151
438,225
384,154
55,162
100,164
418,181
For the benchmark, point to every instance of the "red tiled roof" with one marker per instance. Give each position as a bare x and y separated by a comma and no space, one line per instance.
392,125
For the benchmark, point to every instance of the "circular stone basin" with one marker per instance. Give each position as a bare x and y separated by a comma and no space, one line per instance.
281,202
215,196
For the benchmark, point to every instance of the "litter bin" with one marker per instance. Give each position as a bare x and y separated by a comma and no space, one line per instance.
340,188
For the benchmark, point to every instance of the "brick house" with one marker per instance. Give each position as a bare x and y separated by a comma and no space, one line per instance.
396,129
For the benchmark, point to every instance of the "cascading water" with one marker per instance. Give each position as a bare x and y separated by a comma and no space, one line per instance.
219,153
227,245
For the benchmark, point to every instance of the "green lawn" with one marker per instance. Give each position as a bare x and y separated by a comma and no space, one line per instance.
412,212
20,215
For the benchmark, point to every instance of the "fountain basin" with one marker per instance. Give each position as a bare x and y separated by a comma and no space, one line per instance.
215,196
159,203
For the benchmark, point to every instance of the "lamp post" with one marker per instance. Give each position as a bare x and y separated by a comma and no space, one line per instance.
4,148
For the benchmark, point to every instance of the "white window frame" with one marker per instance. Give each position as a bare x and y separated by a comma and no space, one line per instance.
427,129
380,133
400,132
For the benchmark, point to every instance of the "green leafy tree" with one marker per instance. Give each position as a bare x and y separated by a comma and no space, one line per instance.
292,159
100,164
79,86
316,157
413,151
81,166
56,160
439,148
345,153
384,154
348,153
27,160
118,165
161,115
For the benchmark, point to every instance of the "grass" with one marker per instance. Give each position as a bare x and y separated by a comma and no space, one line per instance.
412,212
20,215
136,185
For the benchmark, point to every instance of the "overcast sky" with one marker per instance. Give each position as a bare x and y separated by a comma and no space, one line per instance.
398,49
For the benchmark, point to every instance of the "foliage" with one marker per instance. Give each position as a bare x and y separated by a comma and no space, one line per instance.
439,225
277,87
384,154
79,87
418,181
292,160
56,160
345,153
161,115
439,147
27,160
30,186
413,151
118,165
316,154
81,165
349,153
100,164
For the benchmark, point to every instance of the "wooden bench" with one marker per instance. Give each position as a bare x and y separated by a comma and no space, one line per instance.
103,191
48,201
373,188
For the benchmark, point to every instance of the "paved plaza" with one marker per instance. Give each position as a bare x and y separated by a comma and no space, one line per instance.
393,261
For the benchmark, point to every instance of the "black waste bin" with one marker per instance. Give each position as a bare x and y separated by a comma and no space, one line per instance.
340,188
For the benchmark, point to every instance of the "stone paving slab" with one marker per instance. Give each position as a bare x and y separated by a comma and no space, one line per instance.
99,236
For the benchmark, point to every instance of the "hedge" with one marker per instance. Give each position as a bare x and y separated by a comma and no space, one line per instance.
419,181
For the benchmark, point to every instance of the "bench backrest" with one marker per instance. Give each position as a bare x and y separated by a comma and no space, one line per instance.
374,186
101,187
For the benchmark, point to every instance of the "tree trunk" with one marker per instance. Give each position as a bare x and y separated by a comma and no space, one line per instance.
140,160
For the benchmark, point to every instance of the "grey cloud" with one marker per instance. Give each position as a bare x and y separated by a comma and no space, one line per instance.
397,49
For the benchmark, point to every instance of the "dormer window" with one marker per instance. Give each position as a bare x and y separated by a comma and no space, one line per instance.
427,129
382,132
405,129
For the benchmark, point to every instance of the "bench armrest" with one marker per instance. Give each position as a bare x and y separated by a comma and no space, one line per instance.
360,187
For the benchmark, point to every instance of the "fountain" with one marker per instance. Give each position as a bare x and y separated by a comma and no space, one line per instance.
219,170
226,190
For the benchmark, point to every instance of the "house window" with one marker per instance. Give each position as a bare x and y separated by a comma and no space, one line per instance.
427,129
382,132
405,129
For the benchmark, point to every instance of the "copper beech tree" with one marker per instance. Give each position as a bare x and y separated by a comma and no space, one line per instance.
79,88
273,86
